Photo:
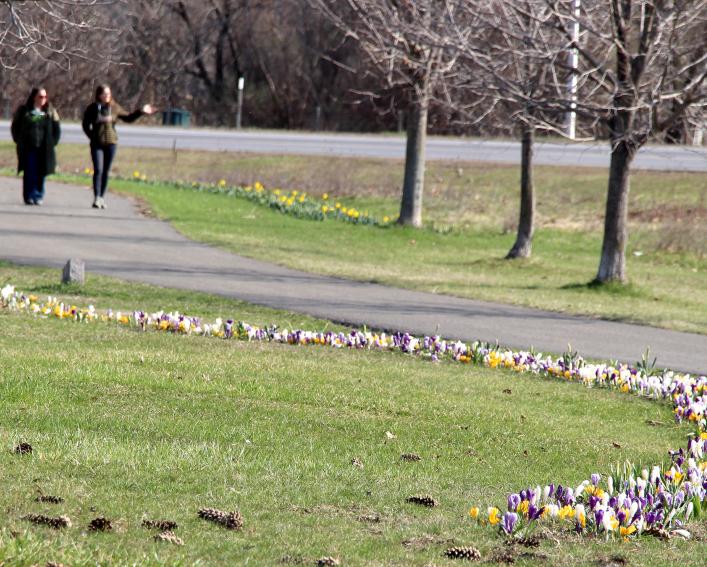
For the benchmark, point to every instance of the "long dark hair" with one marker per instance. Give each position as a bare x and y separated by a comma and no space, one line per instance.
33,94
100,89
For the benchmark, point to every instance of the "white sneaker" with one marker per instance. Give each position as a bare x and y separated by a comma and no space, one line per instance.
103,203
96,203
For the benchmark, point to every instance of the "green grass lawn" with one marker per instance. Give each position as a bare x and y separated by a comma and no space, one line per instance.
137,425
667,252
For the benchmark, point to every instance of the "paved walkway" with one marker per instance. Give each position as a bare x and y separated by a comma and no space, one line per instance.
120,242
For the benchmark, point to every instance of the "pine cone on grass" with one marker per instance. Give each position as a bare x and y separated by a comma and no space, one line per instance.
169,537
410,457
23,449
229,520
466,553
162,525
100,524
327,561
54,522
424,500
46,498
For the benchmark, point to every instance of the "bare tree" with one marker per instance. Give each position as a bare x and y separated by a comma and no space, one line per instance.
394,35
642,66
46,29
511,62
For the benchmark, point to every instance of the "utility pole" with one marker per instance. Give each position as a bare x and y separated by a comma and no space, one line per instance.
239,111
573,64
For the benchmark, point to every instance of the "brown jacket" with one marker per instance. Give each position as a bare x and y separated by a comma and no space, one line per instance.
99,122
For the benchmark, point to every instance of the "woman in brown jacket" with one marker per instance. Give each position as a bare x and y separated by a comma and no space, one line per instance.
99,125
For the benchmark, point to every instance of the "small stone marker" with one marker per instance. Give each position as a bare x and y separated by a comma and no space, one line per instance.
74,272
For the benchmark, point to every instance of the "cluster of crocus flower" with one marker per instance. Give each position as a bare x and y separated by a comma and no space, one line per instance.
628,503
294,203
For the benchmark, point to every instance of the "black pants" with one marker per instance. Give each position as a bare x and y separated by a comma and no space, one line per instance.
102,157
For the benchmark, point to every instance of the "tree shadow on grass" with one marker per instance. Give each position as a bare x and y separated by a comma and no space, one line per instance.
628,290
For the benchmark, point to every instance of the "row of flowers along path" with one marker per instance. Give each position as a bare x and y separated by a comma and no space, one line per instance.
627,503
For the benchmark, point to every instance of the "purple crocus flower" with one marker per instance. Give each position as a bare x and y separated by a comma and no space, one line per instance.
513,502
595,479
509,521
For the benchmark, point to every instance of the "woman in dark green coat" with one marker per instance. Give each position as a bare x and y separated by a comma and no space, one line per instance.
36,131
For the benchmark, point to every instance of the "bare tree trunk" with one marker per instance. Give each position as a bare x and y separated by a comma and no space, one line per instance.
613,251
413,184
526,223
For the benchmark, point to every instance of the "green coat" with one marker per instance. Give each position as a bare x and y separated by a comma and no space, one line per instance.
47,136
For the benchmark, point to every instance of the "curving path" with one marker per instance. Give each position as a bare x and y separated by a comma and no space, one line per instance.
120,242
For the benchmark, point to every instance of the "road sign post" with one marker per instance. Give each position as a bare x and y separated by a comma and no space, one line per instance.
239,111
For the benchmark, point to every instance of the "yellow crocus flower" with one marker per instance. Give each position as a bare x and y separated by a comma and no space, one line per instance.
494,516
474,512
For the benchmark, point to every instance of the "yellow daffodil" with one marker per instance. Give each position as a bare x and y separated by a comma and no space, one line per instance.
325,196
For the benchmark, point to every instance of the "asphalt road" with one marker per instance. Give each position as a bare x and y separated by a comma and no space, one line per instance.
120,242
673,158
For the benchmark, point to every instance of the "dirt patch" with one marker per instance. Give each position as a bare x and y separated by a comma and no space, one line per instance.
668,213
